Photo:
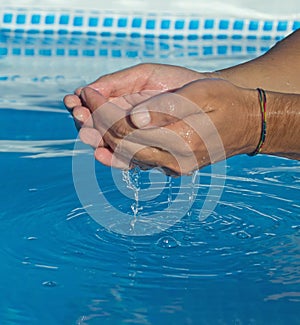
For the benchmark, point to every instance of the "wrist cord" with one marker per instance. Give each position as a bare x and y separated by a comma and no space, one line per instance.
263,103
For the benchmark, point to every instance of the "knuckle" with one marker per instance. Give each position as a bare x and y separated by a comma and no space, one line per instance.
120,130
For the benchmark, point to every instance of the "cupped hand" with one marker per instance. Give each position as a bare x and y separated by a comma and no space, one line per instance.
198,124
139,78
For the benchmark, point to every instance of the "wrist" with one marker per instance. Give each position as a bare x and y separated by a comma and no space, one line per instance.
282,120
249,122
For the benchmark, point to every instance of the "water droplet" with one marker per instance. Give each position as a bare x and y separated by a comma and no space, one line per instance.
49,284
167,242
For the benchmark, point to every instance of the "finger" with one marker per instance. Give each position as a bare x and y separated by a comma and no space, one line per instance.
120,83
92,98
106,115
128,101
137,98
140,149
78,91
91,137
162,110
71,101
108,158
83,116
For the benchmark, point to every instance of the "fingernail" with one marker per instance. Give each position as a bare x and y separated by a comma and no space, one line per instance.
78,116
141,118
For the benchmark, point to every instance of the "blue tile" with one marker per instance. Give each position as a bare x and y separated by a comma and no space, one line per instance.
33,31
132,54
179,24
121,35
108,22
49,32
88,53
105,34
251,49
7,18
150,24
193,37
268,25
103,52
135,35
29,52
282,26
164,36
62,32
178,37
116,53
91,33
78,21
76,32
264,49
279,38
222,36
165,24
122,22
194,24
266,37
93,22
16,51
49,20
147,54
209,24
60,52
45,52
91,41
222,49
3,51
73,52
35,19
236,48
224,24
207,36
238,25
164,46
253,25
237,37
296,25
21,19
136,22
207,50
64,19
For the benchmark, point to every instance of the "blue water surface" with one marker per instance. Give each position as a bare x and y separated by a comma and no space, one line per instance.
241,265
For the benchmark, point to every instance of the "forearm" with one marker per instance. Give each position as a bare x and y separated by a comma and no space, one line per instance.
276,70
283,125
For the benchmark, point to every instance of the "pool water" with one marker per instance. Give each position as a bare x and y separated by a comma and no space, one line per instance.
240,265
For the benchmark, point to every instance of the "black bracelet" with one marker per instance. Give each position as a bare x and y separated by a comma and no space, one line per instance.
263,103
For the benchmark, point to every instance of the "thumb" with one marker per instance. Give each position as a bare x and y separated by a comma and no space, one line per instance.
91,98
162,110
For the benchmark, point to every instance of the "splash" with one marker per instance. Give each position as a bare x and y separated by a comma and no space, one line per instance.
132,178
